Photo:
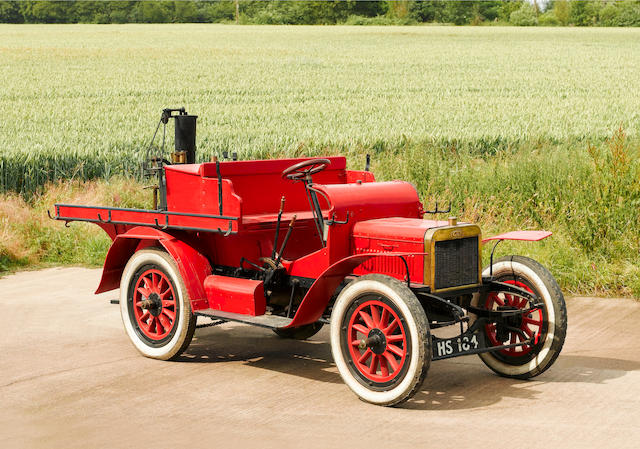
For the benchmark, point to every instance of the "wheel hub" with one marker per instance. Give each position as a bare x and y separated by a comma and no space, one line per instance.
375,341
153,304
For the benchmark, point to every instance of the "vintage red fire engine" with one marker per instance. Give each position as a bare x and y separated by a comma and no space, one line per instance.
294,244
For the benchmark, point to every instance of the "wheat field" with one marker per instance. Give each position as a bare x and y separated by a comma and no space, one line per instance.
83,100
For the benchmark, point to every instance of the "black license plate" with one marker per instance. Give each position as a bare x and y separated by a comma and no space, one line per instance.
467,343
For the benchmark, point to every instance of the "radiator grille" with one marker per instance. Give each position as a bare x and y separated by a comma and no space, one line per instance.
456,262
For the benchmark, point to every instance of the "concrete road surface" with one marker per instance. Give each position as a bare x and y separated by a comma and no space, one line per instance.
70,378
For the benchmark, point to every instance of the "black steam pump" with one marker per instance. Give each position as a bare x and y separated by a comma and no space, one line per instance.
184,152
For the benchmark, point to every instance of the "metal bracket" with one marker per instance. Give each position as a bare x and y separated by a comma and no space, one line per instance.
491,259
227,232
406,266
333,220
438,211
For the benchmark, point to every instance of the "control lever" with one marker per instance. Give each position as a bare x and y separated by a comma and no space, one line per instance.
286,239
275,240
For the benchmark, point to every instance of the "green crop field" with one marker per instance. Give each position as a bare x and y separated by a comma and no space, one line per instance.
519,128
88,96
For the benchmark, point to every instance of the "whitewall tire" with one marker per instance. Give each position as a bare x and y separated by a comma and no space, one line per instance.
548,324
380,339
155,306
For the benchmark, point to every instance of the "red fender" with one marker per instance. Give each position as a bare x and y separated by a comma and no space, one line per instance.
193,266
527,236
315,301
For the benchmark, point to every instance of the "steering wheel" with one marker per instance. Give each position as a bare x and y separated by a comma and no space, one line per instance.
305,168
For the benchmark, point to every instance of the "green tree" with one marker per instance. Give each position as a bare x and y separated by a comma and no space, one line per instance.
10,12
398,8
186,12
153,12
525,16
628,14
562,9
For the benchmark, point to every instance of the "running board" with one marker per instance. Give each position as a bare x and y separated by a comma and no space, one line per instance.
268,321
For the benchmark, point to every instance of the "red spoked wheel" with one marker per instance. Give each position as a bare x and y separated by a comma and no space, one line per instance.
377,341
380,339
531,325
155,305
546,324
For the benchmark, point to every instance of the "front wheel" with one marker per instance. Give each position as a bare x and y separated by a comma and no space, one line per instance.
155,306
380,339
546,325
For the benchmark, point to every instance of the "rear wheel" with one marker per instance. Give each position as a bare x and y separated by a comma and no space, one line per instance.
380,339
547,325
155,306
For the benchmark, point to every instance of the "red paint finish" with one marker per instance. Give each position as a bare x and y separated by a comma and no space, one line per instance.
384,366
193,266
528,236
366,201
235,295
396,234
156,323
315,301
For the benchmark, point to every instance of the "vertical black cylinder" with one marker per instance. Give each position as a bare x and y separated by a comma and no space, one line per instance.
186,136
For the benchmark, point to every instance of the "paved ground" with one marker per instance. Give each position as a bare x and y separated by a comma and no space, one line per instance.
70,378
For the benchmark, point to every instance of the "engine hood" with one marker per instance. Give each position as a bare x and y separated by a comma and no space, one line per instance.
396,229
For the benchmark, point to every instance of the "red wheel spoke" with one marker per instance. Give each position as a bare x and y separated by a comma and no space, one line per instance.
170,314
355,342
395,350
384,370
145,316
154,281
375,316
143,291
527,331
394,338
367,319
374,365
365,356
360,328
391,360
494,297
160,283
147,283
168,303
159,328
150,325
163,296
384,317
391,327
508,299
528,320
166,324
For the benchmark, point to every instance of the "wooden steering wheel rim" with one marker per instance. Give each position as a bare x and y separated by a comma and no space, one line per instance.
294,172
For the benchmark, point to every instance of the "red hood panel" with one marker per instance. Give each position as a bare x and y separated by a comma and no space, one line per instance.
396,228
